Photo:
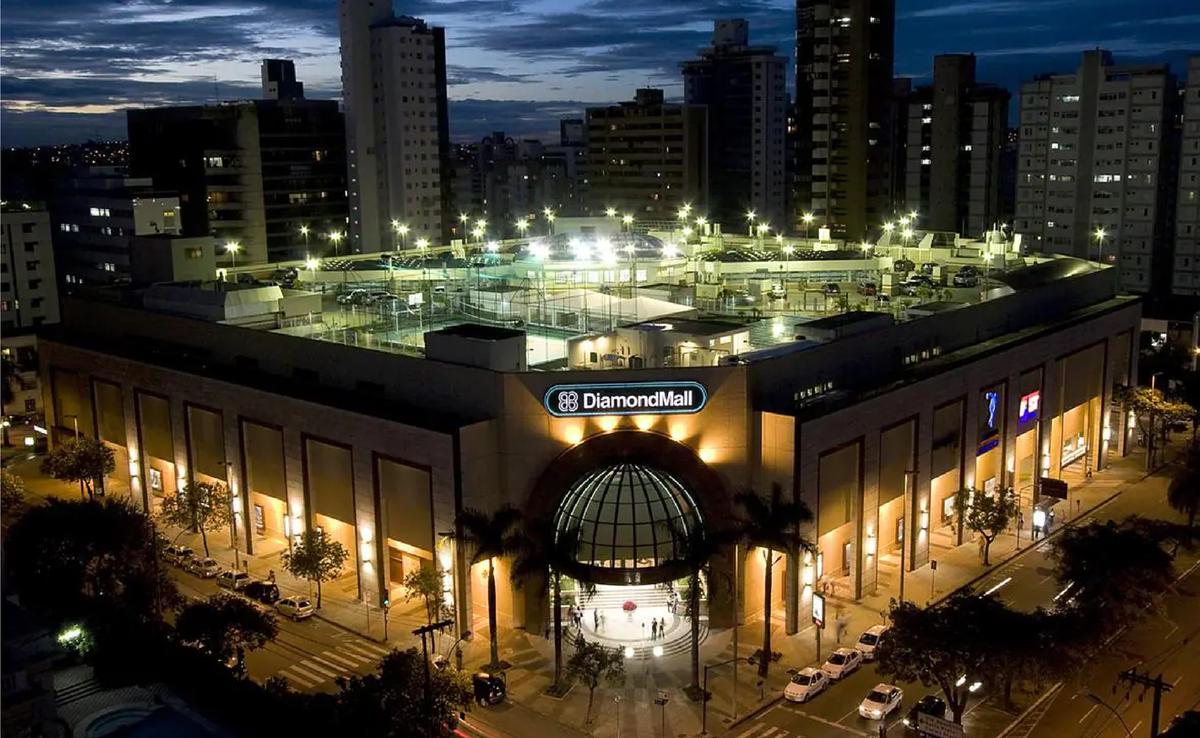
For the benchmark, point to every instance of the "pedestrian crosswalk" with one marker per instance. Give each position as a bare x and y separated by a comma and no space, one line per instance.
344,660
764,731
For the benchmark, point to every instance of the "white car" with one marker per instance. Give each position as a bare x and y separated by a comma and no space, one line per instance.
178,555
204,568
881,702
869,640
805,684
296,608
842,663
234,580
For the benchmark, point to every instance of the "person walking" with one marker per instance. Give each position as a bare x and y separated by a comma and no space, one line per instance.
840,625
595,619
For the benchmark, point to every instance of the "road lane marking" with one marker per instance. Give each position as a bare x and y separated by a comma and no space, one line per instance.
1171,632
331,674
998,586
297,675
342,659
371,651
832,724
1176,682
755,729
1133,730
769,733
1088,714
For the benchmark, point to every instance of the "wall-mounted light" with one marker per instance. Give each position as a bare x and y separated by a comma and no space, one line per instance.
365,552
708,455
1106,434
133,468
1132,420
236,504
366,532
607,422
820,565
870,543
924,520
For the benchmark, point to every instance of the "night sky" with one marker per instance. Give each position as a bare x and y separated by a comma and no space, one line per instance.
69,67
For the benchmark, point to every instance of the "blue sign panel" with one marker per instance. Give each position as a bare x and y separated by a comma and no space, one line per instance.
625,398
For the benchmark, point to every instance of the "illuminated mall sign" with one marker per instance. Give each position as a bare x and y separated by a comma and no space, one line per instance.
625,398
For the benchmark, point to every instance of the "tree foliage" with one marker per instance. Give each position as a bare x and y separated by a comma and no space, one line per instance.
77,560
226,626
937,646
84,460
989,515
198,506
1183,493
594,664
694,551
12,491
425,583
315,557
392,703
545,555
488,537
1153,411
1114,570
772,524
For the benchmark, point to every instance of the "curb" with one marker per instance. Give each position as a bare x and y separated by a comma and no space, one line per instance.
346,628
1052,692
753,713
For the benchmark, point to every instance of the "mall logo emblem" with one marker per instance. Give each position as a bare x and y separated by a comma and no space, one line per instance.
568,402
625,398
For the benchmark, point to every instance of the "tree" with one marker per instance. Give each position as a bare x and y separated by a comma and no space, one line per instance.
83,460
489,537
198,506
1183,494
12,491
78,560
694,551
391,703
1152,411
594,664
1114,571
315,557
945,646
425,583
546,554
987,514
774,525
226,626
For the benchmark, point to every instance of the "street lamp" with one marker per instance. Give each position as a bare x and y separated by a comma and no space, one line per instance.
304,232
701,221
231,248
1099,235
477,232
808,220
610,212
422,243
336,237
750,216
401,230
627,220
522,226
549,221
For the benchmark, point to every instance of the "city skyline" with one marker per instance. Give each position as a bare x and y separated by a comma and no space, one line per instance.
72,68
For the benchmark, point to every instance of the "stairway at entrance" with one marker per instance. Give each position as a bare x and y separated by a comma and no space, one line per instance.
623,629
609,597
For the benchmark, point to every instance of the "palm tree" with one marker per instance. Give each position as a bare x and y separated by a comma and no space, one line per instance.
694,550
548,555
489,536
772,524
1183,494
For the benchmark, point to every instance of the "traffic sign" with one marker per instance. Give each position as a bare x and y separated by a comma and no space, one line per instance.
934,726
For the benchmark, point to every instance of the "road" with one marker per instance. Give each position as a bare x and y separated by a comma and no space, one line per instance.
1025,583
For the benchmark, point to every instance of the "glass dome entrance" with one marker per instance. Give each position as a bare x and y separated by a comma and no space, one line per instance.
627,516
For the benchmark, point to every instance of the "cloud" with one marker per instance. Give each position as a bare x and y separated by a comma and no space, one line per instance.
457,75
985,7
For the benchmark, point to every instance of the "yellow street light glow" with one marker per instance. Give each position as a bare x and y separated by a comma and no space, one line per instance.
477,232
1100,234
778,238
750,215
464,217
395,223
303,230
481,223
701,221
335,236
687,231
492,247
627,219
807,218
908,233
233,247
522,225
422,243
913,215
550,216
547,212
889,227
402,229
610,212
763,228
904,220
311,264
789,249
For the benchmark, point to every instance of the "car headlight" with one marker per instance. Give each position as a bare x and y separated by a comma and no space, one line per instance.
906,723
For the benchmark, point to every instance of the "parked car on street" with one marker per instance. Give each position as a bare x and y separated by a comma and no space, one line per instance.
353,297
805,684
489,689
869,640
178,555
965,280
296,608
832,288
264,592
205,568
930,704
867,289
841,663
881,702
235,580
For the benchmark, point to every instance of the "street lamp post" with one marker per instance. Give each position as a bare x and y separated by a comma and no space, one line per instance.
750,216
808,220
627,222
304,229
1099,235
232,248
549,221
336,237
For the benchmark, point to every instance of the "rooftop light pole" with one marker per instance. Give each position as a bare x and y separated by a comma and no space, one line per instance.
627,222
304,229
232,248
522,225
1099,236
549,221
336,237
401,230
750,216
808,221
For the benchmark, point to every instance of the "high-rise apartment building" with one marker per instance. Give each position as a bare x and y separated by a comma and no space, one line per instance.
647,157
279,80
96,214
28,288
266,175
745,90
1093,163
956,136
397,125
1186,276
843,95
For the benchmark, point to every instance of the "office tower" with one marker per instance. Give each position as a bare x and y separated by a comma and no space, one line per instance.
956,132
902,88
28,288
268,176
1186,277
647,158
397,128
97,212
843,96
279,80
745,90
1091,172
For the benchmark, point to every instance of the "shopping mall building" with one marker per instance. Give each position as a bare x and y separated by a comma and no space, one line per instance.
873,421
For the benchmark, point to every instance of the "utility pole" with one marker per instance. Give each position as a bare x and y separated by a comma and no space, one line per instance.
1132,677
424,631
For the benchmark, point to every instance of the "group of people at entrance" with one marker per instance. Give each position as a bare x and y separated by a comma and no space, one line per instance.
657,628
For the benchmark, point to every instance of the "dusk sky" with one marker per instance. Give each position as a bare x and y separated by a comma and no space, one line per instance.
69,67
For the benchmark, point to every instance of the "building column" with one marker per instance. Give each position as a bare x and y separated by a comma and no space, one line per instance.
918,491
179,444
138,489
866,575
235,476
791,594
297,516
370,567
